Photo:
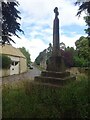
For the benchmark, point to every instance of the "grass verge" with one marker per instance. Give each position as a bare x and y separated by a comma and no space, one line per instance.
28,100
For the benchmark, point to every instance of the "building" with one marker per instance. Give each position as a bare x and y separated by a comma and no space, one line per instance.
19,63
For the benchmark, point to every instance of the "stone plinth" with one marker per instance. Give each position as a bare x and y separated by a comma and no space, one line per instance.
55,74
54,78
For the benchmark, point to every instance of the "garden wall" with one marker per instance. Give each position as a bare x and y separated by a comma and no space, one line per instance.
4,72
78,70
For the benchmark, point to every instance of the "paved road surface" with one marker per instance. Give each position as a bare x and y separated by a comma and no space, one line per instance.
24,76
33,72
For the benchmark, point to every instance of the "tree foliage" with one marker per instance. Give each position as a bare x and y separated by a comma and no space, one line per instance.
44,55
41,56
10,24
78,57
85,6
66,53
83,52
82,47
87,20
80,62
26,54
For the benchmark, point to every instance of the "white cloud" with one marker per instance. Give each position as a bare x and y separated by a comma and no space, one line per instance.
70,41
41,11
38,14
34,46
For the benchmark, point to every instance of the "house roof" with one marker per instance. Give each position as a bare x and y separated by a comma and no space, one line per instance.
10,50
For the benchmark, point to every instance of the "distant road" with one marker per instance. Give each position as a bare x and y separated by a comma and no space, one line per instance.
33,72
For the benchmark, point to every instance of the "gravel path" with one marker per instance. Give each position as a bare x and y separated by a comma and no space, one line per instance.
29,75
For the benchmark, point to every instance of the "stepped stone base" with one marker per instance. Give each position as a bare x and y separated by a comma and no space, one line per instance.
54,78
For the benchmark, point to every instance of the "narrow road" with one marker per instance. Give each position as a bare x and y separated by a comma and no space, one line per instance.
29,75
33,72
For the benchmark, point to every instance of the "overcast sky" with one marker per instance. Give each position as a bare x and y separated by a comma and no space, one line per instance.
37,23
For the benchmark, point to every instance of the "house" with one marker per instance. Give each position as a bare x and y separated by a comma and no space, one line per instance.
19,63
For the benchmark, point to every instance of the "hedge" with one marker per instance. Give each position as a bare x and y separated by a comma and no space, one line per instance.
5,62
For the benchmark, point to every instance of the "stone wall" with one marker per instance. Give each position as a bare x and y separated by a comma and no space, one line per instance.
78,70
4,72
23,65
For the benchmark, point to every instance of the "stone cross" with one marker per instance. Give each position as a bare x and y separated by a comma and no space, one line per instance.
56,12
55,62
56,46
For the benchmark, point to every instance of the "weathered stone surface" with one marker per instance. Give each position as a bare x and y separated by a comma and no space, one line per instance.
55,63
55,73
56,46
54,80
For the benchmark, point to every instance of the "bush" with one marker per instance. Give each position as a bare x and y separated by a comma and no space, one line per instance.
80,62
5,62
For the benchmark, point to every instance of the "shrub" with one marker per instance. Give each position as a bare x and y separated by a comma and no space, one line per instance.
80,62
5,62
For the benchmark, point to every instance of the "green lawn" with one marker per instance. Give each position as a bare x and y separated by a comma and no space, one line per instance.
28,100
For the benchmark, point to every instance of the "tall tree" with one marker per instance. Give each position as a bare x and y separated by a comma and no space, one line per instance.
10,24
41,57
82,47
44,55
26,54
83,50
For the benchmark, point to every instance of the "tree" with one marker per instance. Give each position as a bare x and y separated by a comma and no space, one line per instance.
83,50
41,57
68,58
68,55
26,54
44,55
87,20
10,25
85,6
79,62
82,47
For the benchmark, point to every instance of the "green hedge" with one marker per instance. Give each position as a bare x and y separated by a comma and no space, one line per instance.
5,62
